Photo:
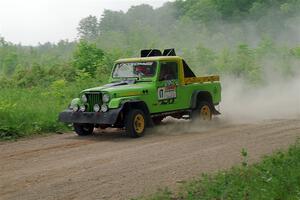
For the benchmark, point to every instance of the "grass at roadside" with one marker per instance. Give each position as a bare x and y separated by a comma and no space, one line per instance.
28,111
275,177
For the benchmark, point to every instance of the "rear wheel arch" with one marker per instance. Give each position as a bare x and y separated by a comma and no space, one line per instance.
201,96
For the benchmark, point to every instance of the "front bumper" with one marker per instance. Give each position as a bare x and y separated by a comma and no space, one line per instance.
110,117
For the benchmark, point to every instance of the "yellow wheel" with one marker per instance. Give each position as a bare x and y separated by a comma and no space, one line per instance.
135,123
203,112
139,123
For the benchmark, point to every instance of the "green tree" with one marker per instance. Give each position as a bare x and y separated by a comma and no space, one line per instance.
204,10
230,8
88,28
87,57
113,21
205,59
8,57
245,64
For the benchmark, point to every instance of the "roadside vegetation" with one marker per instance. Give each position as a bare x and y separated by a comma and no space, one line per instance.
275,177
251,40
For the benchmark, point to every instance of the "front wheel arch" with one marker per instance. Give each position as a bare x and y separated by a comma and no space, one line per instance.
131,105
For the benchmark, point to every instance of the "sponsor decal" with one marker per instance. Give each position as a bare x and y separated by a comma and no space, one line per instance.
168,92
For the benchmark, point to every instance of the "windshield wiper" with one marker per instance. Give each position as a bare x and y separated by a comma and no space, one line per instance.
141,80
133,79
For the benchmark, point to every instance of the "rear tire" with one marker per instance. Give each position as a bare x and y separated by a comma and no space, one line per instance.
203,112
135,123
83,129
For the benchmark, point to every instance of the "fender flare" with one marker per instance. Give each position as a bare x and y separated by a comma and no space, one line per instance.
206,96
135,104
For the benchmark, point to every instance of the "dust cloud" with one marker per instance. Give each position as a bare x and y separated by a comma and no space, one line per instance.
243,103
277,99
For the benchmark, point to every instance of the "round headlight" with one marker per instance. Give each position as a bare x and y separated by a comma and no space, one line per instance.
104,108
105,98
96,108
84,98
75,108
82,108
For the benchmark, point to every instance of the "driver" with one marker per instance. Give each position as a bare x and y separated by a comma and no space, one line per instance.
143,70
166,73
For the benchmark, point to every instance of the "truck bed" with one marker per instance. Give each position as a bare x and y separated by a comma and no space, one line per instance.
201,79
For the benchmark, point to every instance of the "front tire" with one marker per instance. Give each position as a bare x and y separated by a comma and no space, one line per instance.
135,123
83,129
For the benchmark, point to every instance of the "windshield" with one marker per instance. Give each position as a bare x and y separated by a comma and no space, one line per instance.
134,69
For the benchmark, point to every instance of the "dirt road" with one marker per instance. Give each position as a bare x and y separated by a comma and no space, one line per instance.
111,166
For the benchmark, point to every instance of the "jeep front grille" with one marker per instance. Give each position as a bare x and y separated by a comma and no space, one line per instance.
92,99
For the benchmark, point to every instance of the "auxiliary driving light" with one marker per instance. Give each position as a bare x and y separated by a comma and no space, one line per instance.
96,108
104,108
75,108
82,108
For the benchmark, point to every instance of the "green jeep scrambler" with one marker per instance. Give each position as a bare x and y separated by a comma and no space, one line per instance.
142,92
